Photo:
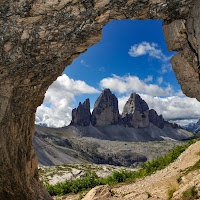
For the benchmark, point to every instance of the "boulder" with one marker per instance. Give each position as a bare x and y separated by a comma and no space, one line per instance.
102,192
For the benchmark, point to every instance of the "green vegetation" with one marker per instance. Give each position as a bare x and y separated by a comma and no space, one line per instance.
171,191
80,197
196,166
91,180
190,193
179,179
149,195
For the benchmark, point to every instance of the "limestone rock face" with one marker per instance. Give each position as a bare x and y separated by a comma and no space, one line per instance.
136,112
105,109
102,192
156,119
81,116
39,39
183,35
176,37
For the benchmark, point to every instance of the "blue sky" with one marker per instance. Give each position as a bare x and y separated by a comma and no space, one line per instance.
110,55
131,57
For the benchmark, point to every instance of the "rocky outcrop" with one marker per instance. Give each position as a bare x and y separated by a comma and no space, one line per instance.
136,112
156,119
106,110
81,116
39,39
172,124
183,35
100,193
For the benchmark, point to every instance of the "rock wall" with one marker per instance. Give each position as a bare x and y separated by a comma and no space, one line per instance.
136,112
39,38
81,116
105,111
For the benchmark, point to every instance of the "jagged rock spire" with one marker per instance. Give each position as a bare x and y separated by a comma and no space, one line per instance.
155,119
81,116
106,110
136,112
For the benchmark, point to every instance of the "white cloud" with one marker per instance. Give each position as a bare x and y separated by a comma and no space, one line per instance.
60,96
146,48
83,62
166,68
148,79
179,93
121,103
160,80
172,108
127,84
185,122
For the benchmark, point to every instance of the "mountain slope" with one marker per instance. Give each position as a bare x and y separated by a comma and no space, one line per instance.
55,146
156,186
193,127
126,133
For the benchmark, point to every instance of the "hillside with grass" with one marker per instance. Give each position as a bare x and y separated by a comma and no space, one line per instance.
173,176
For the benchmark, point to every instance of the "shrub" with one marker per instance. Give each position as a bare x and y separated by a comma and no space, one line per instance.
179,179
190,193
171,191
91,180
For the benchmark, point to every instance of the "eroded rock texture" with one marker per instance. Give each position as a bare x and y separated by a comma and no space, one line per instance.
136,112
40,38
105,109
156,119
81,116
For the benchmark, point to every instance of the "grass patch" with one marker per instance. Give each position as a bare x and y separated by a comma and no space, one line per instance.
91,180
190,193
171,191
196,166
179,179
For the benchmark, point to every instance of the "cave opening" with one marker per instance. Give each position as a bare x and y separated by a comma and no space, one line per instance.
131,57
132,53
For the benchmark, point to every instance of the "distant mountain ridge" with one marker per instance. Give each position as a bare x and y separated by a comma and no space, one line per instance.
193,127
106,137
136,113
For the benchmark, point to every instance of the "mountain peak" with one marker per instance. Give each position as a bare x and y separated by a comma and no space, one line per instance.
136,112
81,115
106,110
134,103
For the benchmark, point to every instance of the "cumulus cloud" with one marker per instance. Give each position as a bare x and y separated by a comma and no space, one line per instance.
172,108
59,99
148,79
179,93
160,80
185,122
127,84
146,48
166,68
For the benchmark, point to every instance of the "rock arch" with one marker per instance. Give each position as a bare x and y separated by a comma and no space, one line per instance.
39,38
